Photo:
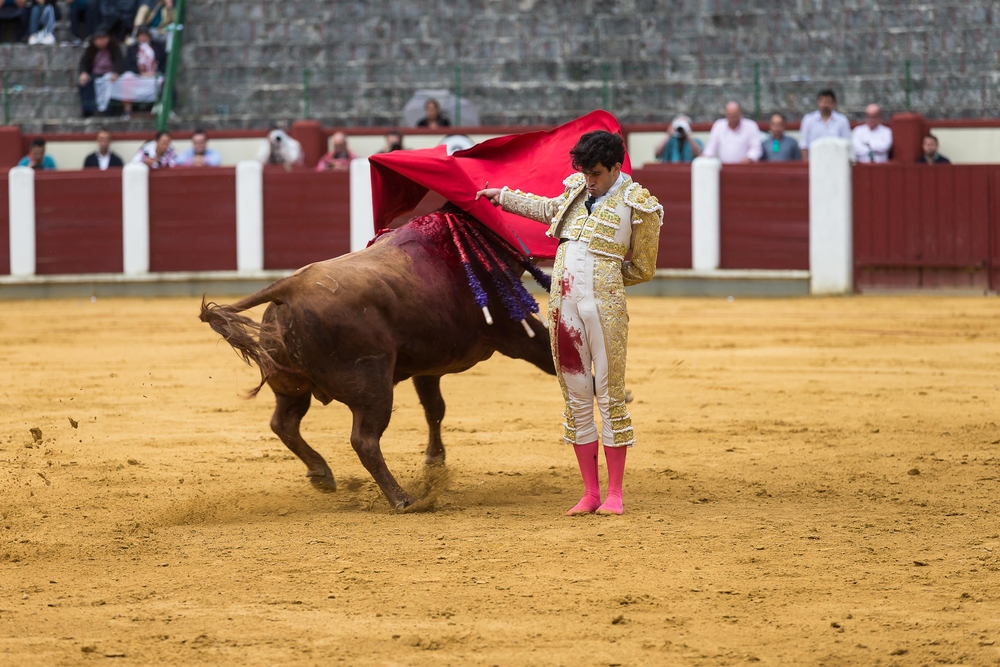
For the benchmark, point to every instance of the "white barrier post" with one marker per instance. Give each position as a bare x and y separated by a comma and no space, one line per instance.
705,213
135,219
831,233
362,210
21,197
249,216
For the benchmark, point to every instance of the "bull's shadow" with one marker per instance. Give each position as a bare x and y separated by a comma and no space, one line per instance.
349,329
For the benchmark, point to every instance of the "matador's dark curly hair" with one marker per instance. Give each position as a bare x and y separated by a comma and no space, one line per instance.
599,147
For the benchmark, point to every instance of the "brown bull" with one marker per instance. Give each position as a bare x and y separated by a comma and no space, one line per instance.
348,329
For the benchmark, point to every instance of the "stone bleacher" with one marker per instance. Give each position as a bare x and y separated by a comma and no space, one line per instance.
529,61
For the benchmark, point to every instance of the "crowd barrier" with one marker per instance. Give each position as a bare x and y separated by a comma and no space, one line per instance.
847,228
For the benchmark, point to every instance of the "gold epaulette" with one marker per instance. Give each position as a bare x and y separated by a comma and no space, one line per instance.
638,197
574,180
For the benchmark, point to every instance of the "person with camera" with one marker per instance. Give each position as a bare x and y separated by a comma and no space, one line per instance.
680,145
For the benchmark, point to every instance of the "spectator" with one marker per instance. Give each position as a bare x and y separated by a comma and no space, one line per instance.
118,17
931,155
826,121
81,19
432,115
100,65
279,148
42,23
36,157
157,154
145,67
679,145
146,15
18,11
873,140
780,147
103,157
734,139
200,155
393,142
340,156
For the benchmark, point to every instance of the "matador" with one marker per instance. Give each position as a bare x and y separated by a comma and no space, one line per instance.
601,218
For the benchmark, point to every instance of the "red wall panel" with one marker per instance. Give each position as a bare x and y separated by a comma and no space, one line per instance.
78,222
921,226
307,216
671,184
764,216
4,226
994,232
192,220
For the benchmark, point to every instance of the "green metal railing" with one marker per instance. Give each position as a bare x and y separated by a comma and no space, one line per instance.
176,38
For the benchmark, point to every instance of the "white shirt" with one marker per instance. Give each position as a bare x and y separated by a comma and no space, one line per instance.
731,145
871,145
103,161
813,127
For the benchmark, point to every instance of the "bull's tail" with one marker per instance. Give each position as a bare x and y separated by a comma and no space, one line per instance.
243,333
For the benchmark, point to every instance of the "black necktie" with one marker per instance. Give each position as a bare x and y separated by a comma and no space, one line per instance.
590,203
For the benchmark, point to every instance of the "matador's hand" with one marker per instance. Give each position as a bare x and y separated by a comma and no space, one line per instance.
493,194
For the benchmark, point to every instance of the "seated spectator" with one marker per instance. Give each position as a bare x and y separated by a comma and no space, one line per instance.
734,139
16,11
42,22
393,142
145,67
117,17
157,154
279,148
679,145
81,19
873,140
103,157
826,121
432,115
931,155
779,147
340,156
146,15
100,65
199,155
36,157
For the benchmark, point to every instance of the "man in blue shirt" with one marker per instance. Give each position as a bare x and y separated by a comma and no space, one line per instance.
779,147
679,146
36,157
199,154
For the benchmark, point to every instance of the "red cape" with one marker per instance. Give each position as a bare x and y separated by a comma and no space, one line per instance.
535,162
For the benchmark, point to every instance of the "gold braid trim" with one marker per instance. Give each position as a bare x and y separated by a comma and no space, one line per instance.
638,197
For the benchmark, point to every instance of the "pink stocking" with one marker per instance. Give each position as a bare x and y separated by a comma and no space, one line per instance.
586,456
615,457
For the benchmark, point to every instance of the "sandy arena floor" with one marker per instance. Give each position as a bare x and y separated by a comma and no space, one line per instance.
815,484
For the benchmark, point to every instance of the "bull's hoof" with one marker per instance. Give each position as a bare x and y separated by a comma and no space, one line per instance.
323,481
434,460
405,503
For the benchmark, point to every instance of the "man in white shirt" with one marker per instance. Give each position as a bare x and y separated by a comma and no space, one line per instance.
826,121
734,139
873,140
103,157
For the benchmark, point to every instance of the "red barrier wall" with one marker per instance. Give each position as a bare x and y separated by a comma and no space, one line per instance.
671,184
307,216
922,226
994,265
764,216
192,220
78,222
4,226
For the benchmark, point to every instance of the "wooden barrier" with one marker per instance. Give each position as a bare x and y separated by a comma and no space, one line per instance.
4,226
78,222
192,220
924,226
307,216
764,216
671,184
